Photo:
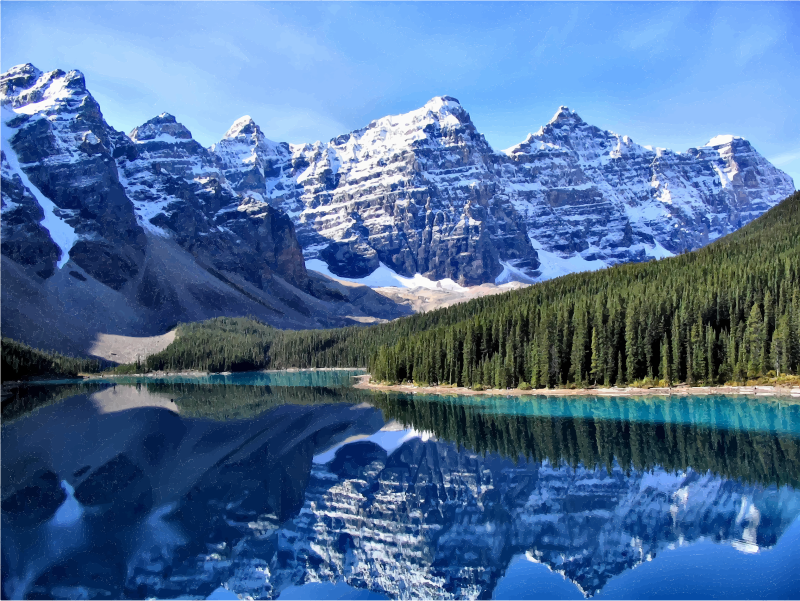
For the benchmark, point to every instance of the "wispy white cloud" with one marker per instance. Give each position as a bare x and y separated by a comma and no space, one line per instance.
756,41
231,48
656,32
746,39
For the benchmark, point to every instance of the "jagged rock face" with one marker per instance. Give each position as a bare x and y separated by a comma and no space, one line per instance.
178,190
593,192
249,159
421,192
75,183
412,191
63,149
24,239
424,193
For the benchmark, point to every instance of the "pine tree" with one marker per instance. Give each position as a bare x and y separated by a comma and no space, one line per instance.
596,365
755,341
665,361
466,375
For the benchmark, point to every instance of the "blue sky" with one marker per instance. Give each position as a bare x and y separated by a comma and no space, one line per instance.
671,75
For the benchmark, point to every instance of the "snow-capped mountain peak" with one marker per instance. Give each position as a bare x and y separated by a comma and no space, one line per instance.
444,104
28,90
423,193
723,140
244,126
445,111
248,158
164,128
565,115
16,80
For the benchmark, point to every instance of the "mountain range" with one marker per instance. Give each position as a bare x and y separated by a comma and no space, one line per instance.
130,234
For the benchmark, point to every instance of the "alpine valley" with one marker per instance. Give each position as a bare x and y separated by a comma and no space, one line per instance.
104,232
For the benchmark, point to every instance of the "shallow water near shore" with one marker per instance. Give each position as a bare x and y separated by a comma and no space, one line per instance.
296,485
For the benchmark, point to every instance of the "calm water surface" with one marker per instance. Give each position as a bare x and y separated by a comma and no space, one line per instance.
295,485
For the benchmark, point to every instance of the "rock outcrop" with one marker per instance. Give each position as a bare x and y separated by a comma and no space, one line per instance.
106,233
423,192
598,195
56,141
178,191
415,192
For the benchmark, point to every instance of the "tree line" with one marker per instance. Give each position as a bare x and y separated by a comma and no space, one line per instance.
21,362
729,312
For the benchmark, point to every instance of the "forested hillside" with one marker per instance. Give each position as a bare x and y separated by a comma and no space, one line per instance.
21,362
728,312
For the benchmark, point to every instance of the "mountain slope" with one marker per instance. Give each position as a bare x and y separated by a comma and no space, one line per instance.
729,311
103,232
423,192
410,191
106,233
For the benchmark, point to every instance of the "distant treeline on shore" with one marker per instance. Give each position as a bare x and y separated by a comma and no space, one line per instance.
729,312
21,362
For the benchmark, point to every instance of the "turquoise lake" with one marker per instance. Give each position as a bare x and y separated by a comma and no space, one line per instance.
294,485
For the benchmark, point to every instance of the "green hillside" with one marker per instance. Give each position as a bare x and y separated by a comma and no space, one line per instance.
730,311
21,362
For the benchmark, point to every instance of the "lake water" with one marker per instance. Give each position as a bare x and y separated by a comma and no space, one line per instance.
297,486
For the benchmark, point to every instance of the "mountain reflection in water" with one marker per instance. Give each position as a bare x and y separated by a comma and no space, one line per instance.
265,489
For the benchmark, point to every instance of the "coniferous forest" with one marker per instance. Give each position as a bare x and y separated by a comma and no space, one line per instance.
21,362
727,312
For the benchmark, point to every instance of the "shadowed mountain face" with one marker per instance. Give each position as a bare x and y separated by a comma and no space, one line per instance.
102,232
434,504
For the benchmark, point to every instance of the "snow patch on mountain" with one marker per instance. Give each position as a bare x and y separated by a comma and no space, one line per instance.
60,231
720,140
554,265
385,277
423,193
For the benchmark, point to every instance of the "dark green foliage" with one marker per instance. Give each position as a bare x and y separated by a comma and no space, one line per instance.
21,362
221,344
727,312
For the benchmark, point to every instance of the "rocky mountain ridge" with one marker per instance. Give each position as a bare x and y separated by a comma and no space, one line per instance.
109,233
423,192
133,233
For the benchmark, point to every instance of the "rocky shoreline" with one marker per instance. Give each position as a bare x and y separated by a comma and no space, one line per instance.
364,383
